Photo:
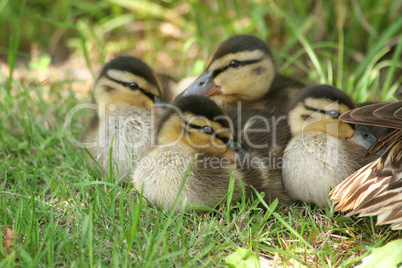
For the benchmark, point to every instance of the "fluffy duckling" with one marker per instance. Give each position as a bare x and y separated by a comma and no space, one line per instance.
243,69
323,150
194,126
123,125
376,189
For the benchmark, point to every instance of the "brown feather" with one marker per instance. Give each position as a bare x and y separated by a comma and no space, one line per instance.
376,189
382,142
374,115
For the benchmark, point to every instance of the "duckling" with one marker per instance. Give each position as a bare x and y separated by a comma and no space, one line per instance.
376,189
243,69
125,93
323,150
194,126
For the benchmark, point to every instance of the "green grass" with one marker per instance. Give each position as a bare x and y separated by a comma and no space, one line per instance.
66,215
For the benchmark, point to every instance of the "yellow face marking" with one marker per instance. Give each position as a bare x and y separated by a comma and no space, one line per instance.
202,121
172,131
246,82
201,141
177,129
130,77
111,92
302,120
326,105
240,56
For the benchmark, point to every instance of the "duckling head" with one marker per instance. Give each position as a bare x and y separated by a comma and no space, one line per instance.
200,125
127,80
317,109
242,68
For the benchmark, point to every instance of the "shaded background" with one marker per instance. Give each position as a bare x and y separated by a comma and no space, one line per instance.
316,41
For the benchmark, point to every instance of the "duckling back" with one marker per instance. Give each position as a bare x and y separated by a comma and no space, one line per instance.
264,136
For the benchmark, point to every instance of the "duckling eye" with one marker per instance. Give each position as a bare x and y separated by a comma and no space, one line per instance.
207,130
234,64
333,114
133,86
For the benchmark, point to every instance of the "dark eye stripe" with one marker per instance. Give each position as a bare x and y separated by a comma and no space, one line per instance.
127,84
199,127
241,63
323,111
225,140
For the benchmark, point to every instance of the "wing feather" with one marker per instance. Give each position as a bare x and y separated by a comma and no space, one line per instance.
376,189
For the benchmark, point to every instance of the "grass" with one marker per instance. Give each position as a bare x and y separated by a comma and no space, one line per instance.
66,215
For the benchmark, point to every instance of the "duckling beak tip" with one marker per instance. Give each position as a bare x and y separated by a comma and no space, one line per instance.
203,85
363,137
236,147
233,151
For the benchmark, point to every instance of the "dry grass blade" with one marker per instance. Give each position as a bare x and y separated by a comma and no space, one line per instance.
8,240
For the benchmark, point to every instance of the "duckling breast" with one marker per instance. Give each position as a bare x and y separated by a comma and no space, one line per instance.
159,176
161,172
128,133
315,162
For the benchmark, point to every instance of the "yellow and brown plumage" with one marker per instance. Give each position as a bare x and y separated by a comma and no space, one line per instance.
242,78
323,151
123,125
376,189
195,125
242,69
